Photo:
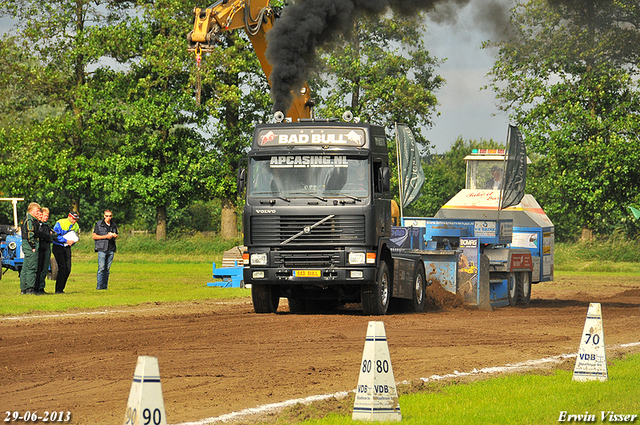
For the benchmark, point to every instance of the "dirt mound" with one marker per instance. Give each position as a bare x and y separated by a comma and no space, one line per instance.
438,298
628,293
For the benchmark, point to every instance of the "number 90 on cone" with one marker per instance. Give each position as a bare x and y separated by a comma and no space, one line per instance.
146,404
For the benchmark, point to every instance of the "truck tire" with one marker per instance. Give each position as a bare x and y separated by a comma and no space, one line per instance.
265,298
513,288
297,305
375,298
417,303
524,287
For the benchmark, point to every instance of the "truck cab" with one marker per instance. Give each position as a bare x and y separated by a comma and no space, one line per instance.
317,216
482,166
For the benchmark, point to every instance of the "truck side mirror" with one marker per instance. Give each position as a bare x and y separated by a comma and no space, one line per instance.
241,180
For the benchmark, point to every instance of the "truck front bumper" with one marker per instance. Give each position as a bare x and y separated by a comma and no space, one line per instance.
319,276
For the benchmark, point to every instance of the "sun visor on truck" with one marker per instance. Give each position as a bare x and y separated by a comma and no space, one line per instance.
311,136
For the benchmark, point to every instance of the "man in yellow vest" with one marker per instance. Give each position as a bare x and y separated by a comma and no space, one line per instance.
67,231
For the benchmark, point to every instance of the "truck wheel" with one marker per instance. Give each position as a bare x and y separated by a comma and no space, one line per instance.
417,303
53,269
296,305
375,298
265,298
512,288
524,287
419,281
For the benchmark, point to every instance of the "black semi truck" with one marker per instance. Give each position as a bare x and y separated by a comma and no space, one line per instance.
318,220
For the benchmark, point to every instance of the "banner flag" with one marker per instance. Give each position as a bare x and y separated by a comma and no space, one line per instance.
515,177
635,212
410,165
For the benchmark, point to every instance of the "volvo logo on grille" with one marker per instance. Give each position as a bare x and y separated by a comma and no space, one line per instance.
307,229
265,211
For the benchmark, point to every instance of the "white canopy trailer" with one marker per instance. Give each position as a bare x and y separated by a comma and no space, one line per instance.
500,253
14,201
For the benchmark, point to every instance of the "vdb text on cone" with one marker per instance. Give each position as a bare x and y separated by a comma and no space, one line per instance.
591,362
376,395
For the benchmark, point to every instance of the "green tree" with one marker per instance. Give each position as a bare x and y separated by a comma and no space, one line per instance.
60,42
569,79
235,95
111,113
155,153
381,72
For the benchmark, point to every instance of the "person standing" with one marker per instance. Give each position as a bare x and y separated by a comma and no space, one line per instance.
45,237
29,272
105,233
67,231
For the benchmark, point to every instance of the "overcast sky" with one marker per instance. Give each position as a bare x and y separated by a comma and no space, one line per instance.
465,110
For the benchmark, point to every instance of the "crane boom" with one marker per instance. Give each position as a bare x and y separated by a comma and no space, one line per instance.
257,18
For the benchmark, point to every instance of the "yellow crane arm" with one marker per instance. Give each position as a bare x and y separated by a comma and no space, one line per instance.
256,17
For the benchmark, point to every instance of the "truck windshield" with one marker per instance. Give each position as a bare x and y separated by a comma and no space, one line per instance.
309,176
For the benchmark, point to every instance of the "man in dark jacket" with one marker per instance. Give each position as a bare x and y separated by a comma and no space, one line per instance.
29,272
45,237
105,233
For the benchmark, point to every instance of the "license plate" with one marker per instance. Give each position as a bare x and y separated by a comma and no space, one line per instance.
306,273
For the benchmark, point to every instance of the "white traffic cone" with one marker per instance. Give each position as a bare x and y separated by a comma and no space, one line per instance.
146,404
376,396
591,363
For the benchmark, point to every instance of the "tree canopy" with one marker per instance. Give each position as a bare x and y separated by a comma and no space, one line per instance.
382,72
569,79
108,111
98,105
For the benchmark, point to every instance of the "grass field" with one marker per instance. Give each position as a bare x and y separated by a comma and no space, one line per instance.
135,279
145,271
513,399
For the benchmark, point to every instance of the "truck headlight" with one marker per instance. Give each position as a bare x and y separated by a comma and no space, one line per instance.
258,259
12,245
357,257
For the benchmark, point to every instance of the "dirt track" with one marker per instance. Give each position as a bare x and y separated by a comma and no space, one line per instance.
217,358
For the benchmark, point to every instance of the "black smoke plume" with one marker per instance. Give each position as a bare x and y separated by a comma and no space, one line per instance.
308,24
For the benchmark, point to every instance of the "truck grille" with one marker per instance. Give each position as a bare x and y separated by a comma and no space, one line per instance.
307,259
339,230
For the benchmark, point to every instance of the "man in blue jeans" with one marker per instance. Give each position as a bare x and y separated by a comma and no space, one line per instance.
105,233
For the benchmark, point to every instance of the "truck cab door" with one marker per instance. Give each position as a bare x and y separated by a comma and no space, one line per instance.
382,197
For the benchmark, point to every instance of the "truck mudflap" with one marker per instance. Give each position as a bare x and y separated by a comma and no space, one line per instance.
303,276
404,271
